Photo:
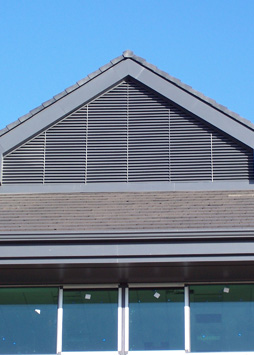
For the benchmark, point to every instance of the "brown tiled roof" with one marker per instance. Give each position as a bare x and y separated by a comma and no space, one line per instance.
121,211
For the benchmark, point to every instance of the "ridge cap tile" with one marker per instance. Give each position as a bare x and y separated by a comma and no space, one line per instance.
12,125
25,117
72,88
94,74
117,60
106,67
48,102
60,95
4,130
36,110
83,81
128,54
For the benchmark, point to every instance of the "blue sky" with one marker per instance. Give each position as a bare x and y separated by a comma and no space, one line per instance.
48,45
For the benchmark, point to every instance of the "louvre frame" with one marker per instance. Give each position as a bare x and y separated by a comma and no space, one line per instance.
141,137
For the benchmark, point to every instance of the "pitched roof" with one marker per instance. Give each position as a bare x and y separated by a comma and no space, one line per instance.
123,66
167,213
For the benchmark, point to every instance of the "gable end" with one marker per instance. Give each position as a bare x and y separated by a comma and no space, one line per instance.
128,134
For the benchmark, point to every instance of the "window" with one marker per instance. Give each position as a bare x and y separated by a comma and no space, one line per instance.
90,320
222,318
141,319
156,319
28,316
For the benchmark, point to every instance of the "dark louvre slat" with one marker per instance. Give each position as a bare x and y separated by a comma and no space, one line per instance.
25,165
129,134
148,136
190,148
65,153
107,137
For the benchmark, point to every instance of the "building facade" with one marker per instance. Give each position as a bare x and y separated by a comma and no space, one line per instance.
126,225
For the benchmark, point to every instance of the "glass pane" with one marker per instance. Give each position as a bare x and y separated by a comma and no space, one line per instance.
222,318
90,320
28,318
156,319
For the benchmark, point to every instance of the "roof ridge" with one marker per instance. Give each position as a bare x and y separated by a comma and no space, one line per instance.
128,54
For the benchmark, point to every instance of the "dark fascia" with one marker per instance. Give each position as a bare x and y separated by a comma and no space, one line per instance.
127,65
126,252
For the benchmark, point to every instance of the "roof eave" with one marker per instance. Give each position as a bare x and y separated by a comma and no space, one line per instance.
108,76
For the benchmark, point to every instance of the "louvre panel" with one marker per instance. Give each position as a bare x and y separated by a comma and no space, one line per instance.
25,165
190,148
230,160
107,137
148,136
65,156
128,134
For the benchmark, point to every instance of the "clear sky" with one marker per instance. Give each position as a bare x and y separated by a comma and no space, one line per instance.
48,45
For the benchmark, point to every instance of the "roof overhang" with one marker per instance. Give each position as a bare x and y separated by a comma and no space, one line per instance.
103,80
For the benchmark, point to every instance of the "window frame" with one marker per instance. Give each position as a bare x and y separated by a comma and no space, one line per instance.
123,317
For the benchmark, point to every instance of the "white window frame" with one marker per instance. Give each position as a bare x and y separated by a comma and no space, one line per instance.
60,318
148,286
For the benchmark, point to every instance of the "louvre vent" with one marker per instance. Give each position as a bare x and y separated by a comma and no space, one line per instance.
128,134
107,137
230,160
148,136
26,163
65,150
190,148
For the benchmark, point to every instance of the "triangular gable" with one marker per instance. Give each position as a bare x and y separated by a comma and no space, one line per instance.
128,134
108,76
57,142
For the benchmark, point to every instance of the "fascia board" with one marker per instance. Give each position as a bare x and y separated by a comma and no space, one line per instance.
66,105
118,187
196,106
109,78
132,250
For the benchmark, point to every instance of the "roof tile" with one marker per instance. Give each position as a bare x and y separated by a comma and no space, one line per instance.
178,210
36,110
117,60
105,67
130,55
25,117
72,88
48,102
83,81
94,74
13,124
60,95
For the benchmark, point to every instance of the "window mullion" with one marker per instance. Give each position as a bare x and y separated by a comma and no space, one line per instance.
187,335
59,322
126,320
120,320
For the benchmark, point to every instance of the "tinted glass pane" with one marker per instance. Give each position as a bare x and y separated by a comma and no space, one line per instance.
28,320
222,318
156,319
90,320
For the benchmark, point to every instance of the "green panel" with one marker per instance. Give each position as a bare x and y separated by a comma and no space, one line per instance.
90,320
28,318
222,318
156,319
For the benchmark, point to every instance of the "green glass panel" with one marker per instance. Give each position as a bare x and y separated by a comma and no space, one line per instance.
90,320
28,318
222,318
156,319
